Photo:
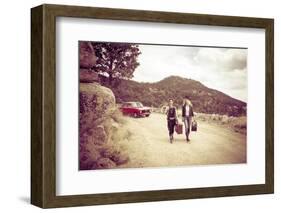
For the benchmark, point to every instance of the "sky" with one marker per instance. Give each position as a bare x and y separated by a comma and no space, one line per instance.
223,69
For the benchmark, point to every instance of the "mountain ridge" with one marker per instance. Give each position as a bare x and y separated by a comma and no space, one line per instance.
157,94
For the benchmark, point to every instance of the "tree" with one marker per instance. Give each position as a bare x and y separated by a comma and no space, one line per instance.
116,60
87,57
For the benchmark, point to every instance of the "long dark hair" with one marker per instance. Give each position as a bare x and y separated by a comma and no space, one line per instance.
170,101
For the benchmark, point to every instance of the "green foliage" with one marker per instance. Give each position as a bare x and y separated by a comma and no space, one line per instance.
157,94
116,60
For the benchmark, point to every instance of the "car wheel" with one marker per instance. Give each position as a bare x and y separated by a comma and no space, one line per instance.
135,115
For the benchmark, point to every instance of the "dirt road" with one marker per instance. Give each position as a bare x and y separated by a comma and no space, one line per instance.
211,144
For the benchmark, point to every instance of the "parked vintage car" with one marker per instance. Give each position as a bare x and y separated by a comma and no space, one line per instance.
135,109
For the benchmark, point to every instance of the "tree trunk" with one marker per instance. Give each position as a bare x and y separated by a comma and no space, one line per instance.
110,79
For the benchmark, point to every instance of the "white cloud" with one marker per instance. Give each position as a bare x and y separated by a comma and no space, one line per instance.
223,69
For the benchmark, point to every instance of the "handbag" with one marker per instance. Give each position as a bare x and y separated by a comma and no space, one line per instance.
179,128
194,125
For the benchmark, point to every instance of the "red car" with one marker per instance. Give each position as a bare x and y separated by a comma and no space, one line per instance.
135,109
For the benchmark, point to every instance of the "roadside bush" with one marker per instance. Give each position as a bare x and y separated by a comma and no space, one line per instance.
238,124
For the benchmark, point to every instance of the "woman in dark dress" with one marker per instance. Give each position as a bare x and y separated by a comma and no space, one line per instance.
171,119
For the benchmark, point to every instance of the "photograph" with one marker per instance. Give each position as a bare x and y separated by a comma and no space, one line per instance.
142,105
145,105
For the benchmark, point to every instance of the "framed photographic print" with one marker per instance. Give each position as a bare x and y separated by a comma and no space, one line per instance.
137,106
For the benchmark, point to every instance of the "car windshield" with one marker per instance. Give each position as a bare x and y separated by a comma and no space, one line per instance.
137,104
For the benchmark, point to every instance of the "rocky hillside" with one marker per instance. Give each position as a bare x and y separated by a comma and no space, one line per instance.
204,99
101,132
99,122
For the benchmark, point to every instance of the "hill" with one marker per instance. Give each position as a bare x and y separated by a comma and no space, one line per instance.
204,99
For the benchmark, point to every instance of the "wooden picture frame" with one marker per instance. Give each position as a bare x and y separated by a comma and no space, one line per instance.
43,105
